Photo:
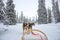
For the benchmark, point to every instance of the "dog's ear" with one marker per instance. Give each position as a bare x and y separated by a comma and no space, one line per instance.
24,24
31,24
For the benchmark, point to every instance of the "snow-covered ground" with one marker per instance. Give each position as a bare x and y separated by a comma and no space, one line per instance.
14,32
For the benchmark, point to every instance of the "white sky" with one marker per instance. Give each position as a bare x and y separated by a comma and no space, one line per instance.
29,7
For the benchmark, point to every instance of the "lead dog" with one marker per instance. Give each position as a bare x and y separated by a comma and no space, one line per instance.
27,27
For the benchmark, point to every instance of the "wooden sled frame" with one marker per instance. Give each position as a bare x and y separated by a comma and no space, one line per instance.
37,31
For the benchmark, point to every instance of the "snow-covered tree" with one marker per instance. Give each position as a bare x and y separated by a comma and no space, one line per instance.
21,18
57,11
1,11
26,19
54,10
42,14
36,19
21,15
49,16
10,13
17,18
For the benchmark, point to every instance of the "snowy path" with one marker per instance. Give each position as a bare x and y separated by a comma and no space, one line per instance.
15,31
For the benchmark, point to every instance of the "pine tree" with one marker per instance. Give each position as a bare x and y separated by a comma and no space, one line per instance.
42,14
32,19
36,19
11,15
17,18
54,10
57,11
1,11
25,19
22,16
49,16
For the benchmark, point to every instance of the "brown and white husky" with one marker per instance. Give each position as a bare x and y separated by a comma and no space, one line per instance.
27,28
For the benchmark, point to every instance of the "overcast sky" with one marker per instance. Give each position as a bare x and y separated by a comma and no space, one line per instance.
29,7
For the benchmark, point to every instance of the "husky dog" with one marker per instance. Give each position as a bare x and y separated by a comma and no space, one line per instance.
27,27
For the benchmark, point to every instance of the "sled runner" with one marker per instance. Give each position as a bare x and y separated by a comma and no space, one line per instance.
34,33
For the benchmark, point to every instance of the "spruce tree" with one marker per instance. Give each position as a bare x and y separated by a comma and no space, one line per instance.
42,14
22,17
49,16
17,18
54,10
1,11
11,15
57,11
